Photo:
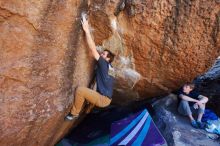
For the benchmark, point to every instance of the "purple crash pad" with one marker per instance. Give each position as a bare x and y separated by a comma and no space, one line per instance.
136,130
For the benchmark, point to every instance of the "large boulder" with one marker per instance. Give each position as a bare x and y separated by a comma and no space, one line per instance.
159,44
176,129
43,58
43,55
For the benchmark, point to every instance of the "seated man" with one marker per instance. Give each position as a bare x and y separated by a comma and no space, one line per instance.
104,80
190,102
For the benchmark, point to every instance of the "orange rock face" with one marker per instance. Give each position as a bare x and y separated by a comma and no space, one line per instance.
43,56
161,44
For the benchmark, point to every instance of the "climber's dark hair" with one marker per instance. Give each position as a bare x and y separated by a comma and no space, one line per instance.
110,55
191,85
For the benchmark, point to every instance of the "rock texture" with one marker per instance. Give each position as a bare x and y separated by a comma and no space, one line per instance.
176,129
160,44
43,56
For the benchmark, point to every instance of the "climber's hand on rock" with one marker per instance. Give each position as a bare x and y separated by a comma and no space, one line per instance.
85,24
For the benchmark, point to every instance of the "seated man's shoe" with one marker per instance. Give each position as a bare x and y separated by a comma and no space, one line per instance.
71,117
200,124
194,124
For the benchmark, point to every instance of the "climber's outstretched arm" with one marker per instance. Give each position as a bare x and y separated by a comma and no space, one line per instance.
89,39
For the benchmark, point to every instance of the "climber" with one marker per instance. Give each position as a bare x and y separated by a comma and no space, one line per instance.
192,102
104,79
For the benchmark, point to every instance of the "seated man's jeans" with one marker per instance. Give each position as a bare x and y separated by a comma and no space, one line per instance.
185,109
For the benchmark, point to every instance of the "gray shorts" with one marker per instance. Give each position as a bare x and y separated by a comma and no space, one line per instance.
185,109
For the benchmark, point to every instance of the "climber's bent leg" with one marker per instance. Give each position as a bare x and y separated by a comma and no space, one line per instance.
82,94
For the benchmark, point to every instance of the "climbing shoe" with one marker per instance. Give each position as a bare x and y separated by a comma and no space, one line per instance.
200,124
194,124
71,117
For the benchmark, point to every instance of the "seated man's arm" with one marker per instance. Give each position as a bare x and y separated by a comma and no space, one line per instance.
203,99
187,98
89,39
